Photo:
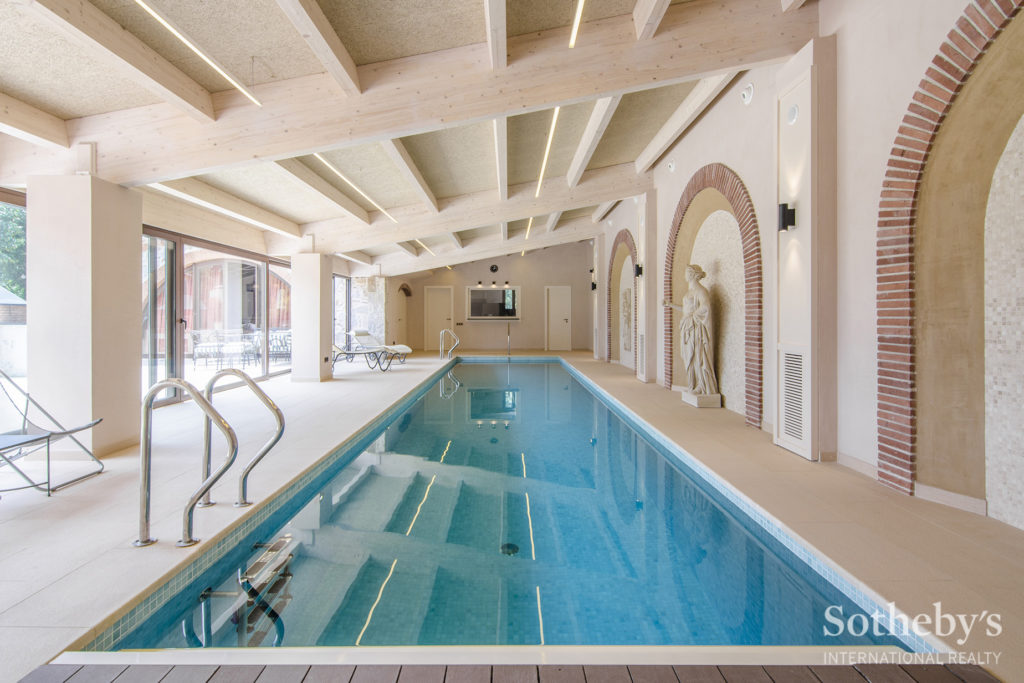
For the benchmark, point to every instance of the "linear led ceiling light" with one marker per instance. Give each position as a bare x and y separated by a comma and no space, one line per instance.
576,23
425,247
529,225
547,150
353,186
176,32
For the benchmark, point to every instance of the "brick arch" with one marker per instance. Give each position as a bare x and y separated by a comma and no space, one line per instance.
623,237
965,44
724,179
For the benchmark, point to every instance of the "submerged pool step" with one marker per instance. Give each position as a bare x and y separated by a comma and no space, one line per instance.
385,605
426,509
371,505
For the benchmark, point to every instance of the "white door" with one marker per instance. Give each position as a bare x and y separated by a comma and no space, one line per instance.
437,315
401,306
558,328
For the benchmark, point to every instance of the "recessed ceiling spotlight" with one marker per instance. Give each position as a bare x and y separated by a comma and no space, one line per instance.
747,94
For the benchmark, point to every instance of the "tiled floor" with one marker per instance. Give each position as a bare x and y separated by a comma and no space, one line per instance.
68,566
61,673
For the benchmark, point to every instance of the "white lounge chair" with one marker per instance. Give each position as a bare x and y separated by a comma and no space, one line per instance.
364,340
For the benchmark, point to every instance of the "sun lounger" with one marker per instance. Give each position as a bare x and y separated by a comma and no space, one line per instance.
379,358
364,340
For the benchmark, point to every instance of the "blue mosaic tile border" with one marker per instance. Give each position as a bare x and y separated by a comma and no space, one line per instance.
824,568
232,536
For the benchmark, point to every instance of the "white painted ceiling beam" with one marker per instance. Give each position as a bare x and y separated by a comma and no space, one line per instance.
647,15
682,118
88,26
456,240
323,40
27,123
201,194
315,182
408,248
480,210
497,40
407,167
490,247
150,144
553,219
600,117
603,209
501,155
788,5
356,257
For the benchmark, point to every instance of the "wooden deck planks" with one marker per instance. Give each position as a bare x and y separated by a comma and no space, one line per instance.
644,673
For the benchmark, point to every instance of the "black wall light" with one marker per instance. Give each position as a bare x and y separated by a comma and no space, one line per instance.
787,217
593,285
638,270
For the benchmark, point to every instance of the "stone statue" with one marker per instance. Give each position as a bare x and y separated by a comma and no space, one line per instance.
627,319
696,342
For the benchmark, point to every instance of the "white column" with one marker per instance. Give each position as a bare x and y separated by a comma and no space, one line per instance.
648,304
599,299
311,317
84,286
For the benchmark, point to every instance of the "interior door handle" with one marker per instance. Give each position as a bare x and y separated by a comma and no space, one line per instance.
565,319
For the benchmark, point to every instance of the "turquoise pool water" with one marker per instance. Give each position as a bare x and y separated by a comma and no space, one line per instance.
511,506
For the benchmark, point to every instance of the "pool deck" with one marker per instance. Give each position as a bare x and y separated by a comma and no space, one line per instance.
68,565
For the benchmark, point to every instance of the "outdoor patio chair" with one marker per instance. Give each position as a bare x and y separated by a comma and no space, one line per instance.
364,340
31,437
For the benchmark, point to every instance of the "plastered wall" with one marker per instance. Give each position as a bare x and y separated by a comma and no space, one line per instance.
563,265
1004,336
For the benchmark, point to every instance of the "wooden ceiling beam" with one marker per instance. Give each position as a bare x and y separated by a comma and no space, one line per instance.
88,26
408,249
699,99
197,192
489,247
503,230
497,40
456,240
553,219
312,24
600,117
788,5
603,209
479,210
27,123
315,182
407,168
647,15
451,88
356,257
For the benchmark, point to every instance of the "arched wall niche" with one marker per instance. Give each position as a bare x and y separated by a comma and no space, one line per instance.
712,188
930,258
623,250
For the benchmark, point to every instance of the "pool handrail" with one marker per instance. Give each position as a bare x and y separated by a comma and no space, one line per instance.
243,478
146,459
450,331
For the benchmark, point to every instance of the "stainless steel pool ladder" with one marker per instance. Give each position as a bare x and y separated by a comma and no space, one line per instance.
146,464
243,478
446,390
454,336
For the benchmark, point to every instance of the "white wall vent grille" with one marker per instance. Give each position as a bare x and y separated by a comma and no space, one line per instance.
793,418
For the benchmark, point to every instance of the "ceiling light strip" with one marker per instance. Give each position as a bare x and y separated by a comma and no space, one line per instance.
420,506
576,23
369,616
547,150
166,23
529,225
353,186
429,251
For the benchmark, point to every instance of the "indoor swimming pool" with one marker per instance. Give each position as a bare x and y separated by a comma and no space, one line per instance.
505,504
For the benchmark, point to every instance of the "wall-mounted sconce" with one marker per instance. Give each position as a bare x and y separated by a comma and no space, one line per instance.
493,283
787,217
593,285
638,270
506,284
479,283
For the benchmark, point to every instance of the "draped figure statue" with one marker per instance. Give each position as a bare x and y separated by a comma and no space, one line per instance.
696,342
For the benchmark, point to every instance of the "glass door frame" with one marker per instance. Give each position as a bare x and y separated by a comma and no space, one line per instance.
177,312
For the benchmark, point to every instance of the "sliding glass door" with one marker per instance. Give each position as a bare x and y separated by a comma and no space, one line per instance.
207,308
